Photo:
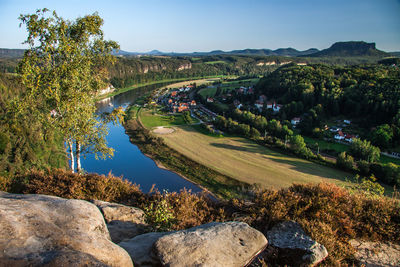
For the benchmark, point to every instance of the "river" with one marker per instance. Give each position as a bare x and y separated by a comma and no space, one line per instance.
128,161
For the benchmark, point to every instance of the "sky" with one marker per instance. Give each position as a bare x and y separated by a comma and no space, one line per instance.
206,25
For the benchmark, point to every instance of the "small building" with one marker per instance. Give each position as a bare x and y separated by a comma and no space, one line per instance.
237,103
210,100
270,105
276,107
339,136
349,138
295,121
335,129
348,122
259,105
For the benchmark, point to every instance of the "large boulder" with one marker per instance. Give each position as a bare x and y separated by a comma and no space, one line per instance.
376,254
39,230
140,248
294,246
213,244
123,222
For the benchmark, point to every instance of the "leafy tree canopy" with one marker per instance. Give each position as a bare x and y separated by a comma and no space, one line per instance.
62,70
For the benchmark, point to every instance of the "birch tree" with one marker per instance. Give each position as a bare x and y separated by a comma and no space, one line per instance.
62,70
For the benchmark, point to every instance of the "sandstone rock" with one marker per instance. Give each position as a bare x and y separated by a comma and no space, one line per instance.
123,222
39,230
374,254
294,246
140,249
213,244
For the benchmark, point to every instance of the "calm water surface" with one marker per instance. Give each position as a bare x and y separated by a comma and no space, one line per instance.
128,160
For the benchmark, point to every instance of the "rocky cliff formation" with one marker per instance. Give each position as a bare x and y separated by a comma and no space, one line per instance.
40,230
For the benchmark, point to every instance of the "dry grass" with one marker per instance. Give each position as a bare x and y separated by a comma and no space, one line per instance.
249,162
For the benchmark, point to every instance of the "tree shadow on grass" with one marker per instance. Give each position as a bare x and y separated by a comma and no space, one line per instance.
294,163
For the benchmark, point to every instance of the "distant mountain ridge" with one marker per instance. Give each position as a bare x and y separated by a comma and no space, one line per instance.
11,53
246,52
351,49
339,49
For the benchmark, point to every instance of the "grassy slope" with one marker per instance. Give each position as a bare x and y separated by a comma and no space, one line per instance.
149,121
227,86
246,161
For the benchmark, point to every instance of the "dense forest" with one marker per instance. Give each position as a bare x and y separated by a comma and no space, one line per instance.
369,95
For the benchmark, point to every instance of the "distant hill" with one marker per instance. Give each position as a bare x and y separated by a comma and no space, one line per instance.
339,49
350,49
245,52
11,53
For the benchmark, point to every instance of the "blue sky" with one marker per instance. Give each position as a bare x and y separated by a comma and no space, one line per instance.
205,25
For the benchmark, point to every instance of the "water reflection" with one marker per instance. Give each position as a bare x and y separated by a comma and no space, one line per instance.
128,160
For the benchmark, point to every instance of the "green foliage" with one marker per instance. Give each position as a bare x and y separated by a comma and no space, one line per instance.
186,117
368,93
345,161
368,186
23,142
382,136
362,149
363,167
62,71
299,146
160,215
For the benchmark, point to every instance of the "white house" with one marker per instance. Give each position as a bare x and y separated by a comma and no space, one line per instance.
295,121
276,107
259,105
339,136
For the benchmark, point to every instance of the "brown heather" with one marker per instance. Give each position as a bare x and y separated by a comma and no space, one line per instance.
330,214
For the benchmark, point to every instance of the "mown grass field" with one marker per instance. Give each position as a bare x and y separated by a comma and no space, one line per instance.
227,87
215,62
150,120
249,162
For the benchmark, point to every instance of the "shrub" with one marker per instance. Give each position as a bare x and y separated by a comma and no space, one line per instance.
345,161
363,167
330,214
71,185
364,150
159,214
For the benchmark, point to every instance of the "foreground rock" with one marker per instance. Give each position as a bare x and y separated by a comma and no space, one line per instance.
294,247
213,244
123,222
376,253
140,248
41,230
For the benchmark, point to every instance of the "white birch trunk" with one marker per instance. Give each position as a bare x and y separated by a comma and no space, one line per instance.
78,156
71,156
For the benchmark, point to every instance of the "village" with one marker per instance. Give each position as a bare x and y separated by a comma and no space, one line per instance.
179,100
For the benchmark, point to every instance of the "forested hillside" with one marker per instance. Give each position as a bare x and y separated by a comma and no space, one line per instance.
24,144
368,95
